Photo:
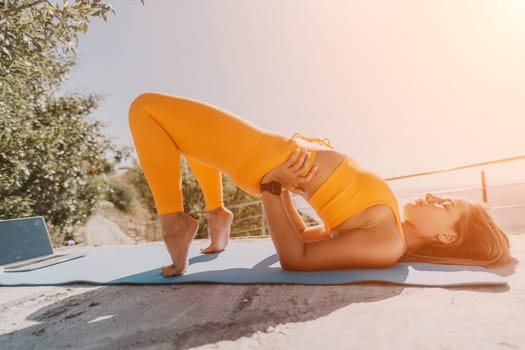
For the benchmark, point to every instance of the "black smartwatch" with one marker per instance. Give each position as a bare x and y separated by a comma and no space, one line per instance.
272,187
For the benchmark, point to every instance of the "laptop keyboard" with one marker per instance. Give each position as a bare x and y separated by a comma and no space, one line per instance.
35,261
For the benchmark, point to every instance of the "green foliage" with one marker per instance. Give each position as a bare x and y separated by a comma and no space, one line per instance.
247,210
52,155
193,199
248,218
38,46
121,195
137,179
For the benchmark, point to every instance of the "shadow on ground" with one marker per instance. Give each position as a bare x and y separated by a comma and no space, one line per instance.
182,316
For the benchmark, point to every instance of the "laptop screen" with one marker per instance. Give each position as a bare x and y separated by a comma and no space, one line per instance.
22,239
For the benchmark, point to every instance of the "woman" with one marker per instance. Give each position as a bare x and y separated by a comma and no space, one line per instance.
362,226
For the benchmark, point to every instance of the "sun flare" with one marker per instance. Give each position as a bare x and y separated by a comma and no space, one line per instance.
508,16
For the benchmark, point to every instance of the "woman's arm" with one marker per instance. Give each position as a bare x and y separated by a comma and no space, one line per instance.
307,233
370,247
284,232
363,248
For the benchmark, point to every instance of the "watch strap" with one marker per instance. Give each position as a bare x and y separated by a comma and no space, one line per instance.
273,187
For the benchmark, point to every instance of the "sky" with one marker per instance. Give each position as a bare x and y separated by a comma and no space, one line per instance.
402,86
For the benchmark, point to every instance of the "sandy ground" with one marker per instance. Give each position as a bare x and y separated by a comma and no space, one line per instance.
102,231
206,316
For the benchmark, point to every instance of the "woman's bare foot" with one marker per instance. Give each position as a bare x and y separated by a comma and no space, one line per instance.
219,223
179,229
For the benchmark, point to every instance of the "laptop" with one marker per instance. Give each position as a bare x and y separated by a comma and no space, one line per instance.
25,245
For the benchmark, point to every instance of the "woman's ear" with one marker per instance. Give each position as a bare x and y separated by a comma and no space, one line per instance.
448,237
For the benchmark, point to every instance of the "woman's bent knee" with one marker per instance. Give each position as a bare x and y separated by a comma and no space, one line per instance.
139,103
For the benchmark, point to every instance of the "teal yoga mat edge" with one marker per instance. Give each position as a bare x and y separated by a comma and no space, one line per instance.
370,282
186,279
171,282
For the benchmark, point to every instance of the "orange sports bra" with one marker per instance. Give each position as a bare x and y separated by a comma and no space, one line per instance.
349,190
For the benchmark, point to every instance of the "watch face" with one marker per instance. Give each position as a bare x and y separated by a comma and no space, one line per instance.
276,187
272,187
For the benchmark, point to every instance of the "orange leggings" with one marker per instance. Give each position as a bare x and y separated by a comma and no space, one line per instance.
212,142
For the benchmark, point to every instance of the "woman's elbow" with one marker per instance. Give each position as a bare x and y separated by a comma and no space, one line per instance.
292,265
388,260
377,262
286,266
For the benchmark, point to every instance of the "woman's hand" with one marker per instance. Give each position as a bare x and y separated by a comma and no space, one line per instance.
294,173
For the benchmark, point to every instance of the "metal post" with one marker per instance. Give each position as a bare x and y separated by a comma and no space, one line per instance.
484,187
263,220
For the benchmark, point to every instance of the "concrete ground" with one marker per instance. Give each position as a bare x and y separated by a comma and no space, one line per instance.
206,316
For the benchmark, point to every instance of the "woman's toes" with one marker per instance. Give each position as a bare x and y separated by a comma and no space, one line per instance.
211,249
170,270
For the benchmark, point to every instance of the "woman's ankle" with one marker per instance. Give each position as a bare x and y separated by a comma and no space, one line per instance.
174,223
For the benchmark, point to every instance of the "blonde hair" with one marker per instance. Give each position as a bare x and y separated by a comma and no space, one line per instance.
481,242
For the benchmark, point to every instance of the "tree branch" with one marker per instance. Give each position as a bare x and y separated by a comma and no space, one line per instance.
20,8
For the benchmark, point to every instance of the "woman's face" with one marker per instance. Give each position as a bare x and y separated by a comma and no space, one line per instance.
435,215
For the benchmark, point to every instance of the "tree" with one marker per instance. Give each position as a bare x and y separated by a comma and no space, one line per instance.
52,155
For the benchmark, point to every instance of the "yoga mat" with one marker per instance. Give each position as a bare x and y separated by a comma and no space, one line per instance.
243,262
